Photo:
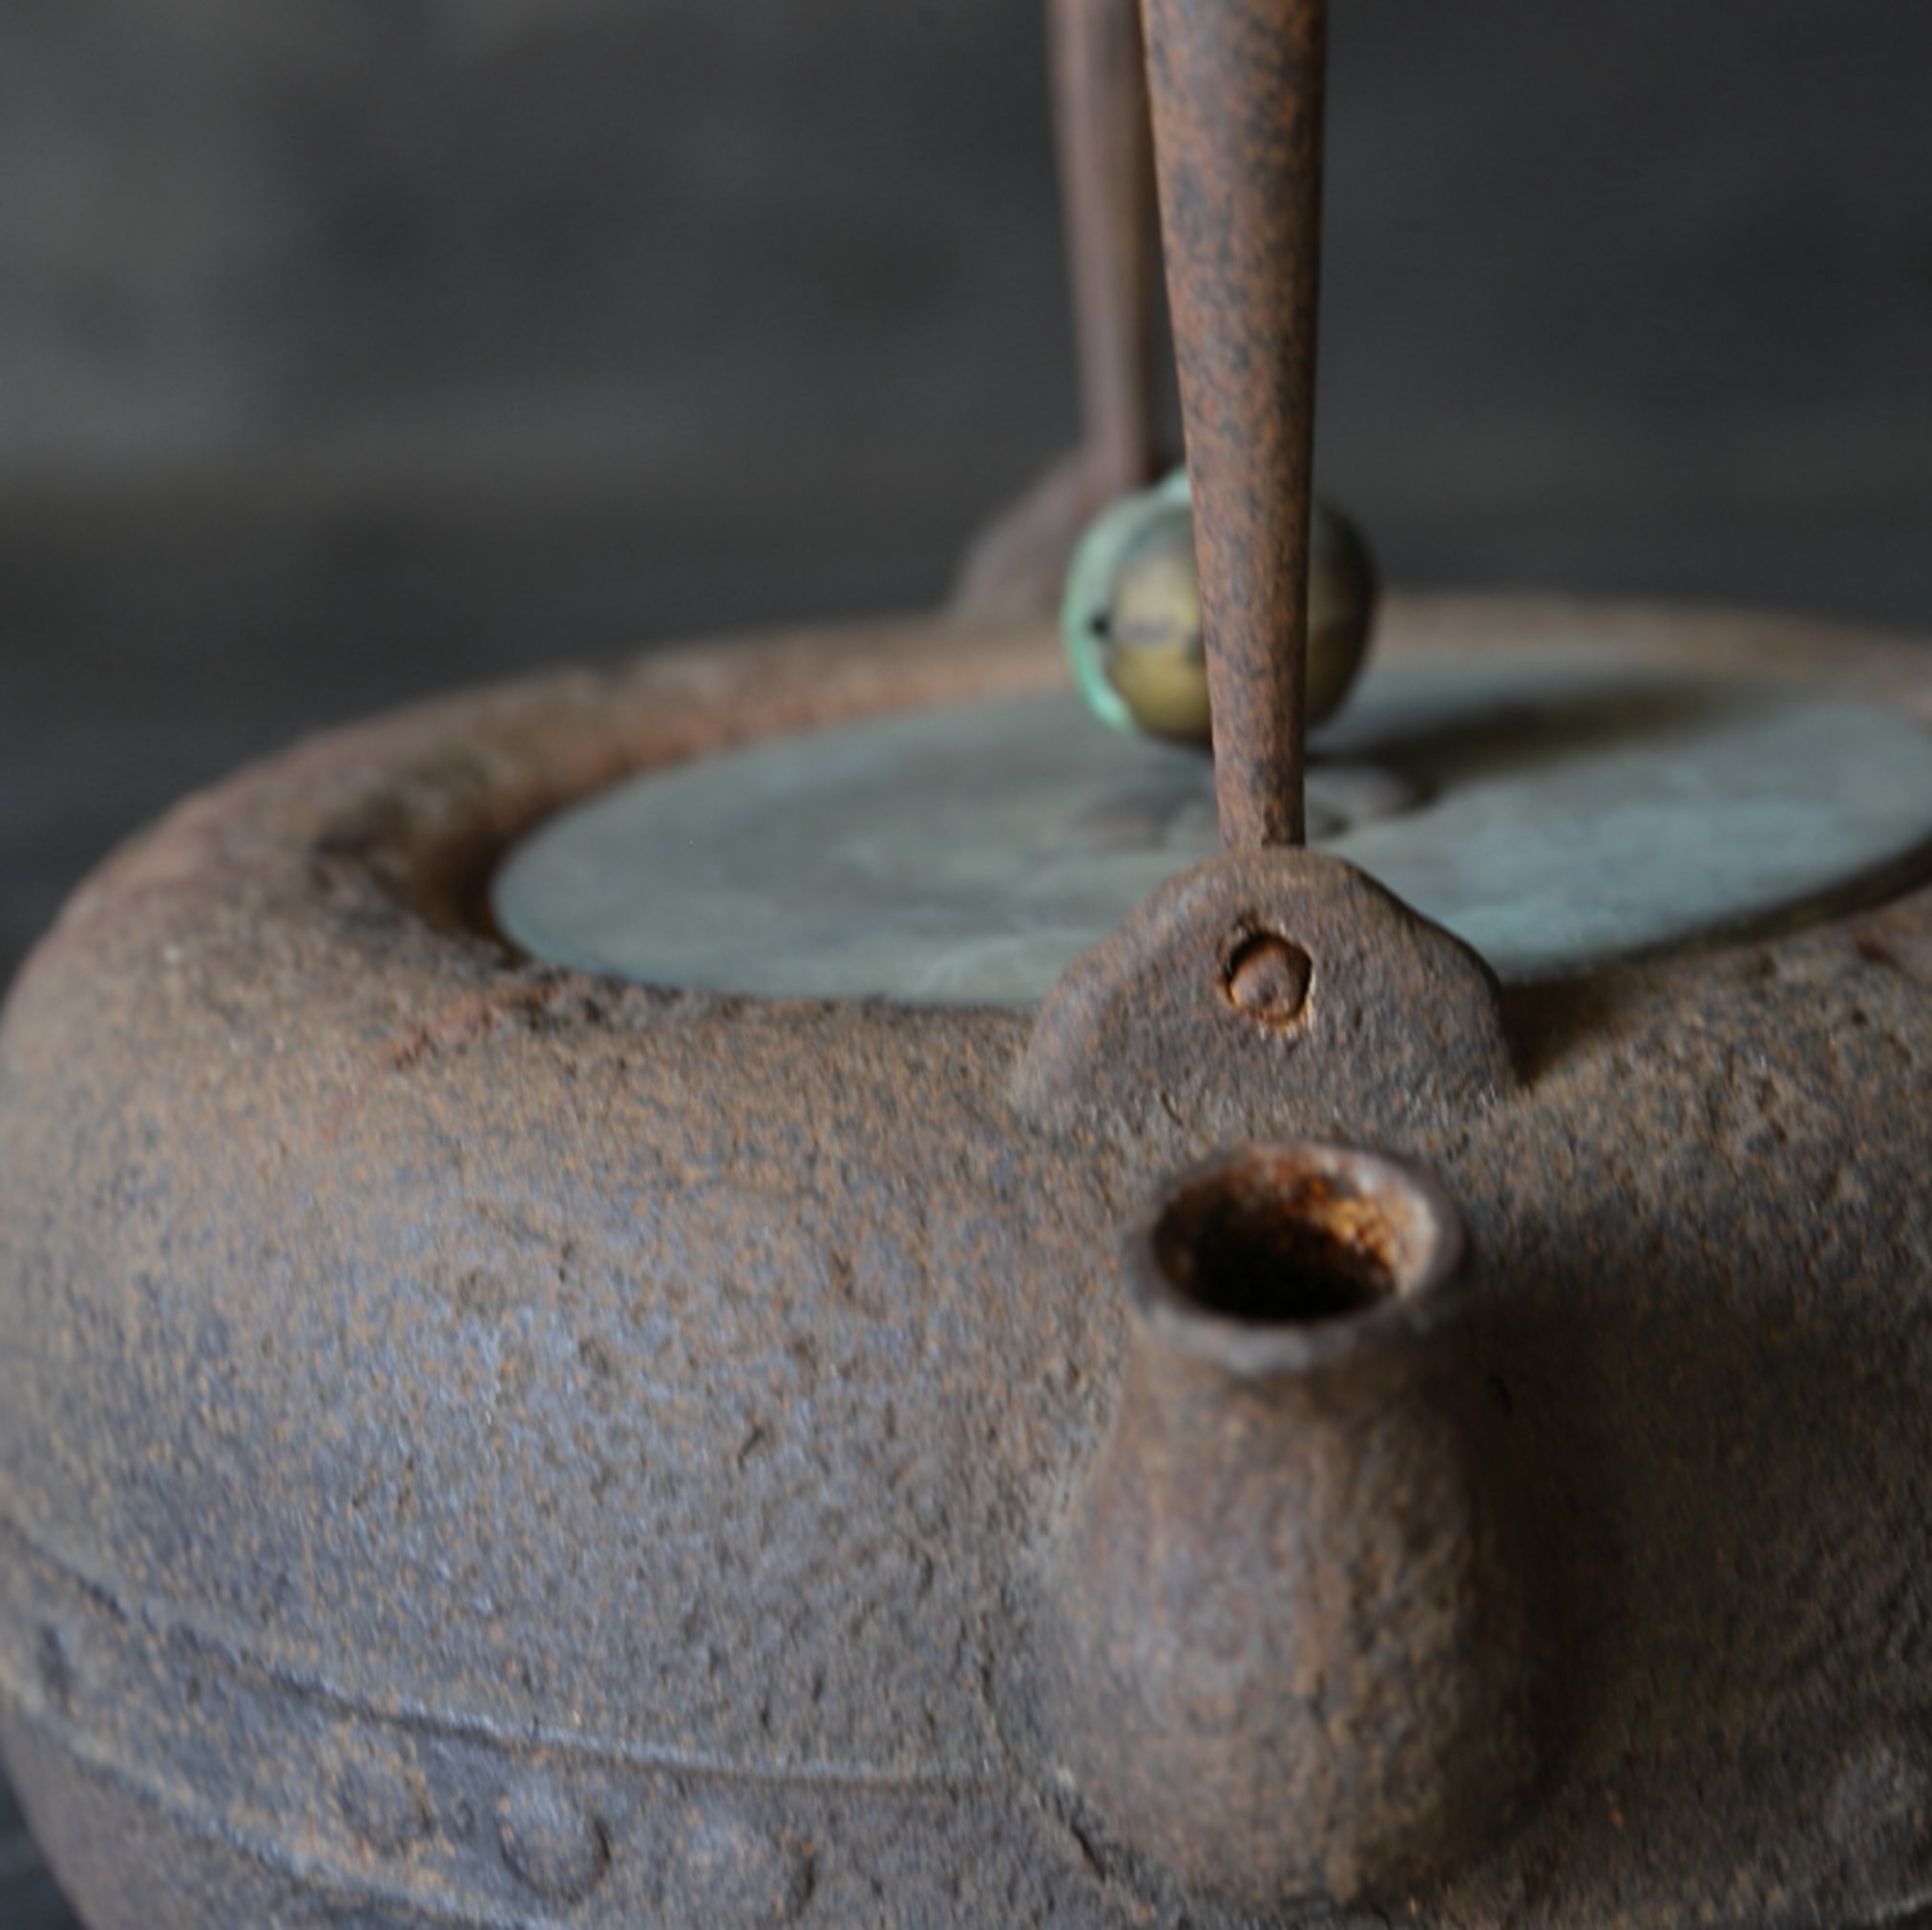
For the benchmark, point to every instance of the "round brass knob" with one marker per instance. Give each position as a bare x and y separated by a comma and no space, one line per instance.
1132,619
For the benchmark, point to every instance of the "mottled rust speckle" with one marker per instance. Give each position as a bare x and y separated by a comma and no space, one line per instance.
416,1356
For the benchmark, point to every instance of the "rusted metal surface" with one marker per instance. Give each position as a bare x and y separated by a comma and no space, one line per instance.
1104,141
1106,167
1238,91
1295,1652
476,1436
490,1445
1264,974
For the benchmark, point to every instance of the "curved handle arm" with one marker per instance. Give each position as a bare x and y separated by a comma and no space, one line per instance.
1237,89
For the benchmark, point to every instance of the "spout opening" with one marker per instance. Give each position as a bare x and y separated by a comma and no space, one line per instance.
1272,1258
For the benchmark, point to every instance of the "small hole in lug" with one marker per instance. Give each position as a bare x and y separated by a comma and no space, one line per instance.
1268,978
1273,1250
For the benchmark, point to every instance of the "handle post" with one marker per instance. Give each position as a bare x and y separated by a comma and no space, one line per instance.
1237,91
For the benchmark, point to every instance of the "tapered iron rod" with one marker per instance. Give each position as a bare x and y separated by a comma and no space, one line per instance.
1237,92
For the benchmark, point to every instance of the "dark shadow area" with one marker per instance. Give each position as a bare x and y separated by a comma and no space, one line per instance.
1494,736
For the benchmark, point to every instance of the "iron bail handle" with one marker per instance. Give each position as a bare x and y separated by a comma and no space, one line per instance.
1237,89
1272,988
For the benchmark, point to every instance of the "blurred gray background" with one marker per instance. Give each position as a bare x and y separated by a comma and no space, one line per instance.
351,348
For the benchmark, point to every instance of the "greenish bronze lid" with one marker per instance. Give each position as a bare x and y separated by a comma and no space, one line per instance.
1557,816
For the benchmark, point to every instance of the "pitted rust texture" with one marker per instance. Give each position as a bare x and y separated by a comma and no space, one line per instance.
1294,1650
1194,1021
1238,91
431,1378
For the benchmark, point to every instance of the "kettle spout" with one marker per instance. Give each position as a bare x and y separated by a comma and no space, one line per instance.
1290,1653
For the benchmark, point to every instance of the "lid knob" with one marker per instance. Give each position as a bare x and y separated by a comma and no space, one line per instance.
1237,89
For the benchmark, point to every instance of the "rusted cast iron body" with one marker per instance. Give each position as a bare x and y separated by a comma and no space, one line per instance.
484,1445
